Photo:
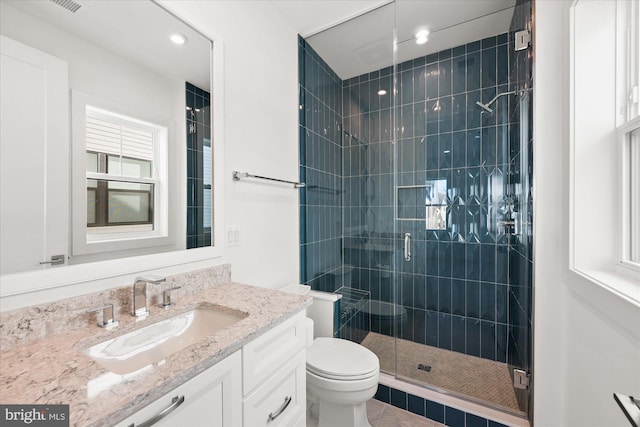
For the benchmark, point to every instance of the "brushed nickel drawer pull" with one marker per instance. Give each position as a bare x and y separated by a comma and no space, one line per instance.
272,416
175,402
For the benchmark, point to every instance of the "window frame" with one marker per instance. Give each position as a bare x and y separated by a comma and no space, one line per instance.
122,237
627,148
598,106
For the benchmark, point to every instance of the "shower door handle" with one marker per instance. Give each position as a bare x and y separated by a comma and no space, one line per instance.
407,246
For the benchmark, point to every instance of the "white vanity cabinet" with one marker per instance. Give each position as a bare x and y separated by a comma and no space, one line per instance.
212,399
274,376
263,384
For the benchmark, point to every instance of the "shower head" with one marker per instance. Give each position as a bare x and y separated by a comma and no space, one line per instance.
483,107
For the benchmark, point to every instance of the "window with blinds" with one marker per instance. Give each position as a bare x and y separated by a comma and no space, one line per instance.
120,170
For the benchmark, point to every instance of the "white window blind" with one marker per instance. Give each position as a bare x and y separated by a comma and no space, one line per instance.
108,135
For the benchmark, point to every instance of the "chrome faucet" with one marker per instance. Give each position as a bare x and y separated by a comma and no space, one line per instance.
140,307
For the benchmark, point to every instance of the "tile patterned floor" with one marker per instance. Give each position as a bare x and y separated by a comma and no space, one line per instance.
478,378
384,415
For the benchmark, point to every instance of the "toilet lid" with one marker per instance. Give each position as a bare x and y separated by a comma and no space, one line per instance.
341,359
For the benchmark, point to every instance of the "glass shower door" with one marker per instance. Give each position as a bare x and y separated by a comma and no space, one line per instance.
454,212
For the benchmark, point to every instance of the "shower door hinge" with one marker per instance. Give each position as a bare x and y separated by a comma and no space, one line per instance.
520,379
523,38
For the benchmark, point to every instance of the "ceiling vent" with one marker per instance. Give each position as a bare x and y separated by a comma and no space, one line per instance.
70,5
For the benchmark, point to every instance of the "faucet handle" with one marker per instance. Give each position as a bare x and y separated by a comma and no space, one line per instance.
108,320
166,297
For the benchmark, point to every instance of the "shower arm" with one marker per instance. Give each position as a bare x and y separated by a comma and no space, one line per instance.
513,92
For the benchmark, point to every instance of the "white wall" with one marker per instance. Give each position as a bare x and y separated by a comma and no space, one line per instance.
586,339
260,133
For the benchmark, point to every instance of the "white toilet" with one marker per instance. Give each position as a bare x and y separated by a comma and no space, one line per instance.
341,375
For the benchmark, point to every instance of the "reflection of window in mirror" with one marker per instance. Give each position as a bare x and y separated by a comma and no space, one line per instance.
199,167
120,198
122,175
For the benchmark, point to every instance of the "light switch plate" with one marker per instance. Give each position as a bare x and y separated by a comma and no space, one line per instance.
232,236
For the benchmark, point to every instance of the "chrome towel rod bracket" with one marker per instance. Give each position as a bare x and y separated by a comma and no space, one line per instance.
237,176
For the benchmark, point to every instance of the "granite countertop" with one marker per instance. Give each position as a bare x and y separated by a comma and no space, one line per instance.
55,369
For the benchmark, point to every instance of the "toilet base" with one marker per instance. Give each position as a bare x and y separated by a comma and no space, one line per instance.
328,414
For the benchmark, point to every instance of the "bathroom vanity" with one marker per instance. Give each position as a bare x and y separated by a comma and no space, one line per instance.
250,373
262,384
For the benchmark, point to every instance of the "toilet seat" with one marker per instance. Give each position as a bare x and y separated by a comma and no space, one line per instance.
339,359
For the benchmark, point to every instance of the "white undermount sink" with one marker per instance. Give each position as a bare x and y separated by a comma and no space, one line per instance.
152,344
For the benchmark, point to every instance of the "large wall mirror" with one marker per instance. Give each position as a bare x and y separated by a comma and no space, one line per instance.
107,135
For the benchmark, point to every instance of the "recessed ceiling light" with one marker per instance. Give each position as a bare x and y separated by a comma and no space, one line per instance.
382,92
177,38
422,37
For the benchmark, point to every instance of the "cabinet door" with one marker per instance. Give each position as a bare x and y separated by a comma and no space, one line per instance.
211,399
281,400
264,355
34,156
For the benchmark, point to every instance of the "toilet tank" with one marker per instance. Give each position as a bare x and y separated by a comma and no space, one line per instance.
324,311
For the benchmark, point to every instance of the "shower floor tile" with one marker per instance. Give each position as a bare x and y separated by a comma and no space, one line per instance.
471,376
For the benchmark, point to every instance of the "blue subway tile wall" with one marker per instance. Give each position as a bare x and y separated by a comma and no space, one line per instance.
455,289
199,179
520,154
432,410
321,169
468,287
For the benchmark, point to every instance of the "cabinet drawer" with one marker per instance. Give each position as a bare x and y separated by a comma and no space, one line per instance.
210,399
264,355
281,401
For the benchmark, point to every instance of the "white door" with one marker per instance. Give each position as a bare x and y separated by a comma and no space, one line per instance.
34,157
